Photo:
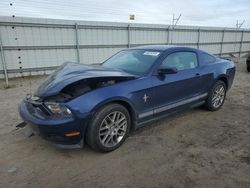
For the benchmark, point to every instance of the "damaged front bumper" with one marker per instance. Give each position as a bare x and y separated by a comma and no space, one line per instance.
65,132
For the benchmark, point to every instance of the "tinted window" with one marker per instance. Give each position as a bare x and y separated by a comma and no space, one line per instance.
206,58
181,60
133,61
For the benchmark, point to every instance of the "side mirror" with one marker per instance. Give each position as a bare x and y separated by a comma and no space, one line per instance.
169,70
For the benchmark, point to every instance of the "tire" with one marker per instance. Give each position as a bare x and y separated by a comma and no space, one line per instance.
213,103
103,133
248,69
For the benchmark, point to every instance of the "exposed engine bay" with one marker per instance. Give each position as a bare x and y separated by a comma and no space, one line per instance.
83,86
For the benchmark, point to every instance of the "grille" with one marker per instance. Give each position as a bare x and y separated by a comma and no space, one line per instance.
37,109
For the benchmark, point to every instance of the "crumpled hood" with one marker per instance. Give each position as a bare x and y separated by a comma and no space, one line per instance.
69,73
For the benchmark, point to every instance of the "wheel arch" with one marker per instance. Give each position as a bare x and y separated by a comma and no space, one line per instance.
125,103
224,79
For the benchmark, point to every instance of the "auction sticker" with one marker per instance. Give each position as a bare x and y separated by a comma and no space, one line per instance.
151,53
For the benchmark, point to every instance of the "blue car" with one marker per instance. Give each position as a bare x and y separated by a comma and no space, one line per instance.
102,104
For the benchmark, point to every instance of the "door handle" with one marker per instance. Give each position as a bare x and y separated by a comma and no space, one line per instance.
197,75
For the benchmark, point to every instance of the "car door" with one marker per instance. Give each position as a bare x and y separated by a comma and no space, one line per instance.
142,99
173,90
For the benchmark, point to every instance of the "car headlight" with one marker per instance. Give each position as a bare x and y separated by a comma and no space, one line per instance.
58,109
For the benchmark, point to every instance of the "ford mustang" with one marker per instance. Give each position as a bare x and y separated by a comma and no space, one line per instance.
102,104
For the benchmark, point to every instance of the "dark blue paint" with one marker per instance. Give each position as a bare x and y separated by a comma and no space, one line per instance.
71,72
163,91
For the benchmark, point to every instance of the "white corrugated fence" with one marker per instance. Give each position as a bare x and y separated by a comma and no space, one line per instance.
31,46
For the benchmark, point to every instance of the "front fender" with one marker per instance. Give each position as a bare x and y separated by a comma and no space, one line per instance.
90,102
120,99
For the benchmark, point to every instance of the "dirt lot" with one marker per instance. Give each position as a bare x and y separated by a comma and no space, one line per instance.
193,149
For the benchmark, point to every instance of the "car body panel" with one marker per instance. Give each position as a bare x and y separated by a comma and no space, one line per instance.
54,129
72,72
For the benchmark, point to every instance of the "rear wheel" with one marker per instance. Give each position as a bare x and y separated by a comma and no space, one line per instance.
108,128
216,96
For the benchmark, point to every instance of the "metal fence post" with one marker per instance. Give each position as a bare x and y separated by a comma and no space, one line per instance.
4,63
172,34
168,35
77,43
222,40
198,41
241,40
128,35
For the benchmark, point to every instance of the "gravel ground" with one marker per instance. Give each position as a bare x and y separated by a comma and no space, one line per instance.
197,148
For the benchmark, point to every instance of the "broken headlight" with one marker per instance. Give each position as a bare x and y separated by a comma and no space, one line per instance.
58,109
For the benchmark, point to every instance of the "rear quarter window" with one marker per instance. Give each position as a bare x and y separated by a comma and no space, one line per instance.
207,58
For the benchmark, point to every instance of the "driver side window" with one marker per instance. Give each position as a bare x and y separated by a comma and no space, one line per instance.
181,61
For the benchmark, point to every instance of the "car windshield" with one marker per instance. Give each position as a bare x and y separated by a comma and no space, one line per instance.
136,62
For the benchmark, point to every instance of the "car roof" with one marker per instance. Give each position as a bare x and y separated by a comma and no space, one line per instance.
161,47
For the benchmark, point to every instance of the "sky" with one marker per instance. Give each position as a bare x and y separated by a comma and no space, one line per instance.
221,13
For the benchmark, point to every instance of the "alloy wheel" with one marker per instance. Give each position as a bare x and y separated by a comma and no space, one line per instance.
113,128
218,96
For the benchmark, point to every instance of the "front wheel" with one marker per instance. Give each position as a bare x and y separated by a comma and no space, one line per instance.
108,128
216,96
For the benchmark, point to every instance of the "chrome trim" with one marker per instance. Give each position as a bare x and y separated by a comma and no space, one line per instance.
167,107
145,114
164,108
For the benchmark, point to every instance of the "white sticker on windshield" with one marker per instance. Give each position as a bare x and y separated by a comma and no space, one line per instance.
152,53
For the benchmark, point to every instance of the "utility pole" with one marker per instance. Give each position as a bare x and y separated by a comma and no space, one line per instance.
238,27
174,23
